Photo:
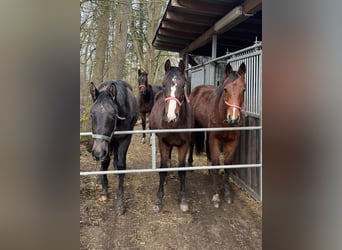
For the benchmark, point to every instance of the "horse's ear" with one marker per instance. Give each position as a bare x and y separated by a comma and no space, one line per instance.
181,66
167,65
112,90
93,91
228,69
242,69
139,72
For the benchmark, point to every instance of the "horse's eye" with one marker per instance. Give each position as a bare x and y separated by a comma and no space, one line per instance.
225,90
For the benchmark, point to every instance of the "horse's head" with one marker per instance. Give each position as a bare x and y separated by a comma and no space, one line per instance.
142,81
233,89
173,89
104,115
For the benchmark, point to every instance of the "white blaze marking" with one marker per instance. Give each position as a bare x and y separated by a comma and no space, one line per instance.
172,103
234,115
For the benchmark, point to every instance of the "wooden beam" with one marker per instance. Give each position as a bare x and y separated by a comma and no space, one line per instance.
204,8
168,24
167,46
178,33
190,18
168,39
221,26
251,6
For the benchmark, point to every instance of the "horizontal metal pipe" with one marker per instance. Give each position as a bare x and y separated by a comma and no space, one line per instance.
148,170
179,130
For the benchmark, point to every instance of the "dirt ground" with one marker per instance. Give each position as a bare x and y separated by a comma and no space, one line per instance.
232,226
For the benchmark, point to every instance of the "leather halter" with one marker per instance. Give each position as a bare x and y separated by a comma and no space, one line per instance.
174,99
232,105
105,137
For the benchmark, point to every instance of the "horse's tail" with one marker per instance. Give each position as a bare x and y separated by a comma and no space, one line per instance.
198,138
197,141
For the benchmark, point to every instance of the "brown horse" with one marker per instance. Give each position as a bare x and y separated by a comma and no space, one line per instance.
219,107
172,111
145,99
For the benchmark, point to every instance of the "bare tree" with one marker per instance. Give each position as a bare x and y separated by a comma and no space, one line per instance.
119,45
102,39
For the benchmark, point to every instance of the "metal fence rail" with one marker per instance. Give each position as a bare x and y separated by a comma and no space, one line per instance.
153,148
153,167
153,140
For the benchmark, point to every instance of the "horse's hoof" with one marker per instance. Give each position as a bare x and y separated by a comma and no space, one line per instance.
156,208
103,197
184,206
143,141
228,199
216,200
120,206
120,210
98,181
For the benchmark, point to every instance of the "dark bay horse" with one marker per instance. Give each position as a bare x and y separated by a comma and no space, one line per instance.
114,108
220,106
172,111
146,98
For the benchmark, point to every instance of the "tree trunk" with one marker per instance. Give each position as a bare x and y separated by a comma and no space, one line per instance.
102,40
119,46
154,14
136,33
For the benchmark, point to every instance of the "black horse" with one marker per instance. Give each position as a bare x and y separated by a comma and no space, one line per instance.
115,108
145,99
172,111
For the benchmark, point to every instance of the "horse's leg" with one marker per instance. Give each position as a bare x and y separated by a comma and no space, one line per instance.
164,154
214,157
184,206
143,124
121,165
229,151
191,151
104,180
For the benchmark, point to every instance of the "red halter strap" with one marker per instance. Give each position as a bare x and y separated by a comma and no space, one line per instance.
232,105
175,99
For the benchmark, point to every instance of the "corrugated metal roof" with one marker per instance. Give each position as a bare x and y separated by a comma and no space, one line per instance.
188,25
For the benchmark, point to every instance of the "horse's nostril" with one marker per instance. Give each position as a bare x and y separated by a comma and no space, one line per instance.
96,157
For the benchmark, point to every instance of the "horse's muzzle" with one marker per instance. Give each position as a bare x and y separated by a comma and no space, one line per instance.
99,156
173,118
100,150
233,120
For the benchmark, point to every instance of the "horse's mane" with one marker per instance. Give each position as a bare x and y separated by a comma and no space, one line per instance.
158,95
232,77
